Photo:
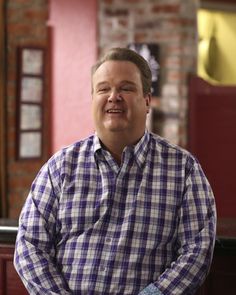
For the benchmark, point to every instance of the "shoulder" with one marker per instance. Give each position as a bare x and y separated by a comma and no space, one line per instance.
163,144
72,153
171,152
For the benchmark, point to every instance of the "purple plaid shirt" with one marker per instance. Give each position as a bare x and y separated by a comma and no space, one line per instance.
90,226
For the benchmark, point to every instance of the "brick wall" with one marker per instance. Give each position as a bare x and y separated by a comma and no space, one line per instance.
172,25
25,26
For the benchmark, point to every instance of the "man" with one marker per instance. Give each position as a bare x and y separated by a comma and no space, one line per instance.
123,211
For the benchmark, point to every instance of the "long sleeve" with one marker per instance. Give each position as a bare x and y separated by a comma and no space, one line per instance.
34,257
196,237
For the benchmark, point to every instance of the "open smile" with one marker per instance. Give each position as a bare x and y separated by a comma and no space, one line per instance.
115,111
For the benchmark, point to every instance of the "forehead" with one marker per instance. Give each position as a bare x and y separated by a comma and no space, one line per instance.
117,70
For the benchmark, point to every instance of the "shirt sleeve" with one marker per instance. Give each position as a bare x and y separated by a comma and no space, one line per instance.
151,289
196,238
34,257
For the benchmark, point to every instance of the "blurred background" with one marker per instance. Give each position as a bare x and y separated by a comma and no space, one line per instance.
46,51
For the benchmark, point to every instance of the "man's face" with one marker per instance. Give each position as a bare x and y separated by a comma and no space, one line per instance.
119,104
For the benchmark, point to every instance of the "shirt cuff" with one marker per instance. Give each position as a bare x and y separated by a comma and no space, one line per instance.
151,289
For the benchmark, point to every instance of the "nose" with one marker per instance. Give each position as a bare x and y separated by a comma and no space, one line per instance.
114,96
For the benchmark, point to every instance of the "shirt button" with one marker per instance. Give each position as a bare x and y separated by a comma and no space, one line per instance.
102,268
115,213
108,240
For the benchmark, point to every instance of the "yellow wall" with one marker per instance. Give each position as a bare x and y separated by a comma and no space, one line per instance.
217,46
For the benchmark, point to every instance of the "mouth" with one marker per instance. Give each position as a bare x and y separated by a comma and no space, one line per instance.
115,111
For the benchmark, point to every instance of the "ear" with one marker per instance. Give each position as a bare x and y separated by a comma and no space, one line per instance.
148,98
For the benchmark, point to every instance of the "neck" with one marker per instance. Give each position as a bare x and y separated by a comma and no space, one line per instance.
115,146
115,143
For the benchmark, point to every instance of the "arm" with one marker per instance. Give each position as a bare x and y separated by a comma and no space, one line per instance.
34,257
196,237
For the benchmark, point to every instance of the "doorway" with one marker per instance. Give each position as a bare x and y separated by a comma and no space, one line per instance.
212,103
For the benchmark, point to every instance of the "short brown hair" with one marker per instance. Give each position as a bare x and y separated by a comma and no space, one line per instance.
125,54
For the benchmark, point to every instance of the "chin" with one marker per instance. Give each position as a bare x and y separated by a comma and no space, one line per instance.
115,127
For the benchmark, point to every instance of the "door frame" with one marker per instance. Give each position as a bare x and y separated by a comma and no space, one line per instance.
3,154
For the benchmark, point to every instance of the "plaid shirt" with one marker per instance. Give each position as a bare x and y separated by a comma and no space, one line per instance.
90,226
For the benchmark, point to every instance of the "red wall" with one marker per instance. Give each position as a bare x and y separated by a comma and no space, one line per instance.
73,51
212,117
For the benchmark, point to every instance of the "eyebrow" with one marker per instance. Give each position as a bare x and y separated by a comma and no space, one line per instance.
121,83
101,83
128,82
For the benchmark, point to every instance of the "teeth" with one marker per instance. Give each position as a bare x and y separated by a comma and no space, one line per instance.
114,111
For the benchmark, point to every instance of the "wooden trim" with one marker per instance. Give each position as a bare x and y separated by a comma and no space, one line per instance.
219,1
10,282
222,5
3,198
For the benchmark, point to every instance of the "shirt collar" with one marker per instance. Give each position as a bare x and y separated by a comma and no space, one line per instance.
96,144
139,149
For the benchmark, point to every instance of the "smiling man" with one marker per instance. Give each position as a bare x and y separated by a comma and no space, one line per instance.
123,211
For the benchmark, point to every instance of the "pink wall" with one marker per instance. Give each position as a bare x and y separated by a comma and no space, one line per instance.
73,38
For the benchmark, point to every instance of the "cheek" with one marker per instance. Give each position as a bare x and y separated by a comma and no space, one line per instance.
97,104
136,105
140,111
94,107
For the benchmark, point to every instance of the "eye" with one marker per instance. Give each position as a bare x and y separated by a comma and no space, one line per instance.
103,90
127,88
